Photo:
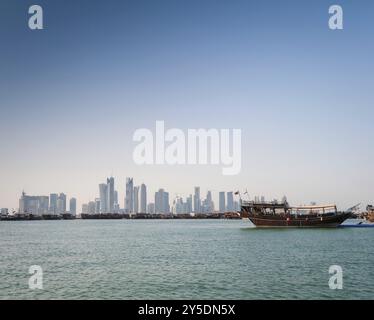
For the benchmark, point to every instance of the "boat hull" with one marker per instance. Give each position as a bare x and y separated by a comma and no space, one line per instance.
306,221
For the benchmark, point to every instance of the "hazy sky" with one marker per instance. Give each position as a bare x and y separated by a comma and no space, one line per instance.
72,95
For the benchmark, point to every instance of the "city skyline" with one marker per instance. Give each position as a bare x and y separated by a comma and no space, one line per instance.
73,94
161,203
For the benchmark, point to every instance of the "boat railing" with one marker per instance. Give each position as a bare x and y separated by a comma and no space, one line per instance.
284,208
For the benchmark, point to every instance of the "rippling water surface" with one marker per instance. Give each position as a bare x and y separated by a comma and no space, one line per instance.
182,259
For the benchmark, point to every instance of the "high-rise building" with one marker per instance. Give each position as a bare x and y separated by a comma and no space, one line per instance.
222,202
85,208
159,198
166,202
91,207
60,206
182,207
151,208
189,204
53,203
136,199
103,188
61,203
110,194
162,201
143,198
43,204
36,205
230,202
115,197
116,208
209,202
178,206
73,206
197,201
97,205
129,199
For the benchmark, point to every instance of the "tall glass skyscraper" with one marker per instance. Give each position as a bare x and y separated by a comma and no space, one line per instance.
129,198
73,206
143,198
230,202
196,200
103,188
162,201
136,199
110,194
222,202
61,203
53,203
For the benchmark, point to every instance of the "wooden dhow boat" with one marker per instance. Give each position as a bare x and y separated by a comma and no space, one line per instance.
265,214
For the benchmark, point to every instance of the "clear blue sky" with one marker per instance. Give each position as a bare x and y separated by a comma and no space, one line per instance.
72,95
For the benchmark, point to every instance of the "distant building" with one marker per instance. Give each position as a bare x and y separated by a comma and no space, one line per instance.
36,205
222,202
162,201
53,203
230,202
116,208
85,208
136,199
97,205
143,198
60,206
110,194
4,211
91,207
73,206
209,202
103,188
182,207
129,198
115,197
177,207
61,203
151,208
197,201
207,205
189,204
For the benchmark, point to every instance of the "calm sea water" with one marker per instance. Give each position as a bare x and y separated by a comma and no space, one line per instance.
182,259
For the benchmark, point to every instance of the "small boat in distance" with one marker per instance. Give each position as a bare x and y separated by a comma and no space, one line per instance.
273,214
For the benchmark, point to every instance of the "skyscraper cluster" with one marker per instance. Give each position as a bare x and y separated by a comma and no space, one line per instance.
135,197
182,207
135,201
53,205
197,205
107,201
